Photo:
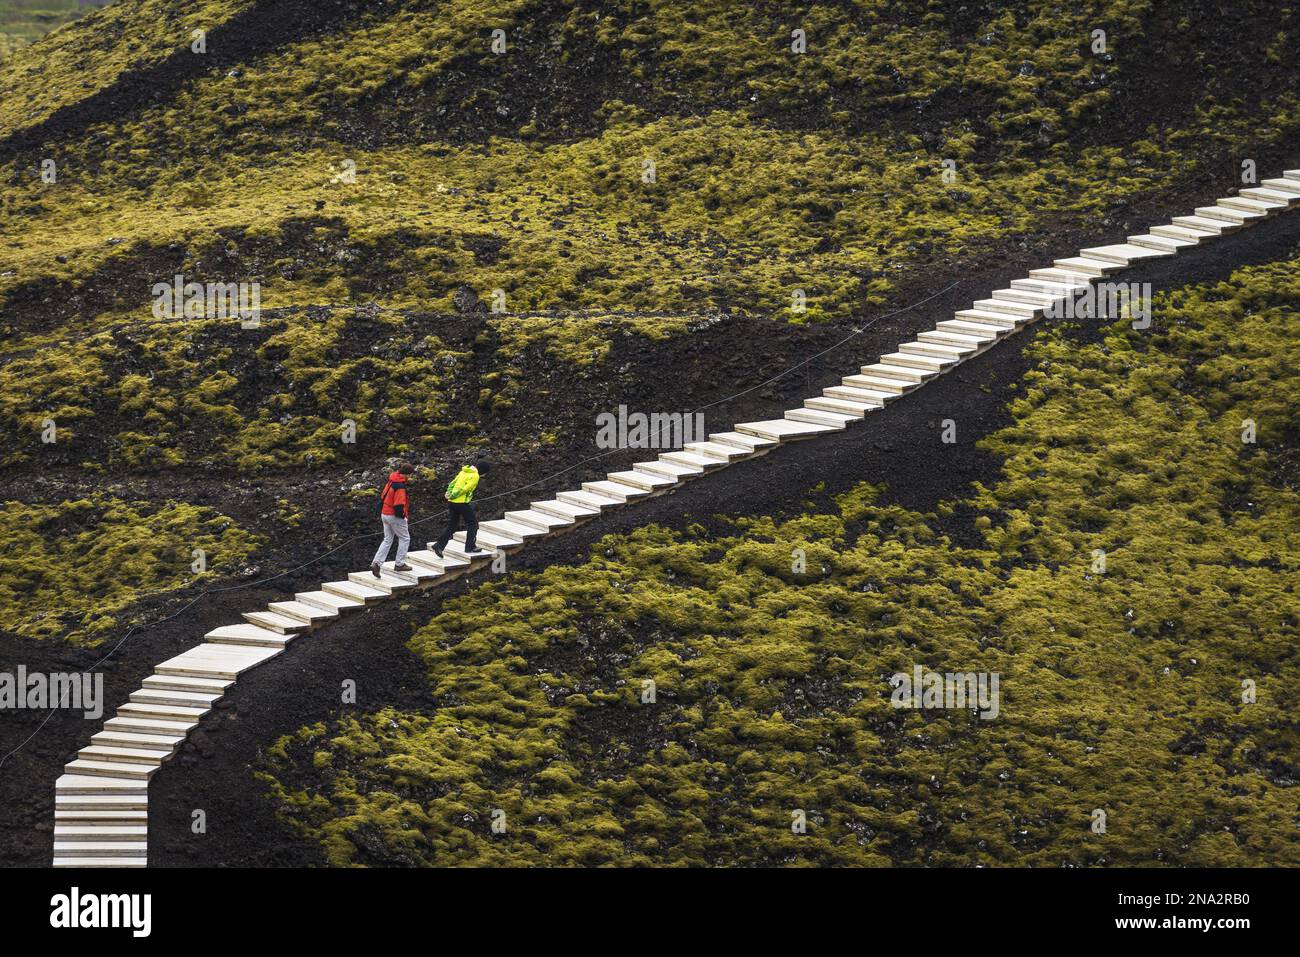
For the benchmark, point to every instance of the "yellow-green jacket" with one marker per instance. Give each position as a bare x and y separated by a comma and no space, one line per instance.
462,486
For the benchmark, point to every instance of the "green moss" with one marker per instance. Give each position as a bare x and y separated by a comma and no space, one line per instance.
166,392
71,62
74,568
774,171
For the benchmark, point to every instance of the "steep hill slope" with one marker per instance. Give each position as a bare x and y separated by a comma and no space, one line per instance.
25,21
1121,683
384,154
458,246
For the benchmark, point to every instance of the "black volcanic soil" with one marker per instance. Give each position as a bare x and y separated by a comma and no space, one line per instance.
898,446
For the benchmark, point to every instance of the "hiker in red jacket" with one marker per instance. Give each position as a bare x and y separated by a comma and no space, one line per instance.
394,512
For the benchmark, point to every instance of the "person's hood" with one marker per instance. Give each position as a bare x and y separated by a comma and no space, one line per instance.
397,477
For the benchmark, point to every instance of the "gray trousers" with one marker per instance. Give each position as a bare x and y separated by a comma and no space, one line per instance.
394,527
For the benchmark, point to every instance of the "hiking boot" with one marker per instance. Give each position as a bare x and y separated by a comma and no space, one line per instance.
437,551
401,567
374,569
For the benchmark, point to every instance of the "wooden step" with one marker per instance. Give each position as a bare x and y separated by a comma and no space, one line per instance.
1030,297
753,443
835,420
1166,243
1051,287
211,660
783,430
367,594
448,564
134,833
423,574
1254,205
166,696
1205,225
281,624
508,534
588,500
1283,185
876,383
1123,254
856,409
1086,265
112,863
79,785
170,712
855,394
990,318
103,815
717,450
307,612
693,459
480,556
110,769
1272,195
562,509
74,792
131,724
1056,274
643,481
946,339
615,490
966,327
390,582
490,540
512,529
177,683
145,742
885,370
943,351
1231,214
1197,236
1018,308
328,601
675,471
910,360
92,849
248,634
119,754
542,521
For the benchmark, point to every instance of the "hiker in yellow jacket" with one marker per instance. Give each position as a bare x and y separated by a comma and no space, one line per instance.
461,508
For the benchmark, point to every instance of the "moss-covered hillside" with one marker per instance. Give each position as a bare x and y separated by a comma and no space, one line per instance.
772,169
25,21
622,159
1123,682
71,569
474,225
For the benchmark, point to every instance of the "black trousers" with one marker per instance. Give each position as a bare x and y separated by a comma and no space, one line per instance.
460,513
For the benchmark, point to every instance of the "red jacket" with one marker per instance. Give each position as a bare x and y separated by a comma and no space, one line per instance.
394,497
